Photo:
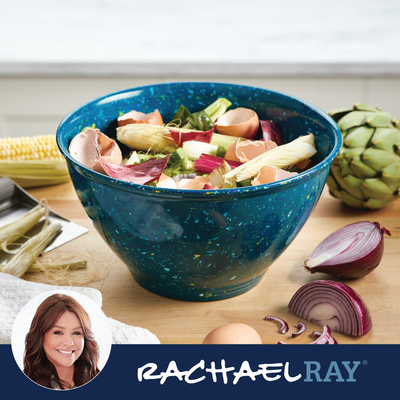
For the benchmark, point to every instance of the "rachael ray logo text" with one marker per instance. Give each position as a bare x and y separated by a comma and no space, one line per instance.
311,371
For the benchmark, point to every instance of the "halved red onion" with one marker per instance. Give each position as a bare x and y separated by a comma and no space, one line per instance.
350,252
324,338
284,325
301,327
334,304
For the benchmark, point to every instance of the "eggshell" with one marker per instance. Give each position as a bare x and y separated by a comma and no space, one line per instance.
137,117
269,174
235,333
240,122
248,149
83,149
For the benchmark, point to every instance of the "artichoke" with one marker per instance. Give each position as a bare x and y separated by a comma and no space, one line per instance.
366,172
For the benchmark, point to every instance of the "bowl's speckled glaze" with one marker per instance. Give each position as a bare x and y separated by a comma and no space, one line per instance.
200,245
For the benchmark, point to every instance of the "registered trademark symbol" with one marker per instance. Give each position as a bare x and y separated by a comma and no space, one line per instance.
365,362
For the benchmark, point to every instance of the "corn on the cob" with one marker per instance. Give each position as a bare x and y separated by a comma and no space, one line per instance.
42,147
30,250
33,161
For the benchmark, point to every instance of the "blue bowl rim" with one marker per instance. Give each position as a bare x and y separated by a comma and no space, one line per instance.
273,186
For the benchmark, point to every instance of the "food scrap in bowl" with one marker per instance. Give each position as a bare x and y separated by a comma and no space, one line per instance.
208,149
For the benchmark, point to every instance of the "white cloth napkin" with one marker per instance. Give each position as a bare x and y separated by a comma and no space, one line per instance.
16,292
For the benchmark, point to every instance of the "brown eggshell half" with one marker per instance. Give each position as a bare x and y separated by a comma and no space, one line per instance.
83,149
269,174
137,117
240,122
248,149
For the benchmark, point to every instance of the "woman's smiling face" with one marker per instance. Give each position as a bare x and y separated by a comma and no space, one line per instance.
64,342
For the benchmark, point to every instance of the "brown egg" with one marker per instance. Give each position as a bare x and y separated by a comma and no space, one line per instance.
235,333
240,122
83,149
137,117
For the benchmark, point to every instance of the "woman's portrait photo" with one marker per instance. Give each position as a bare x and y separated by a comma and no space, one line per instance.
61,346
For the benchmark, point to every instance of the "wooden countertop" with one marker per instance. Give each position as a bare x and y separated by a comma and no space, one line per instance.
180,322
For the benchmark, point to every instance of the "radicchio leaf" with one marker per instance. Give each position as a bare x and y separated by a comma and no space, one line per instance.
199,136
141,174
207,163
271,131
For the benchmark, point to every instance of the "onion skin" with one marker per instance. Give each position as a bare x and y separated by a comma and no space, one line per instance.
352,313
356,268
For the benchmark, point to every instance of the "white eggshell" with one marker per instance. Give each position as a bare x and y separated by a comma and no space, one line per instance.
83,149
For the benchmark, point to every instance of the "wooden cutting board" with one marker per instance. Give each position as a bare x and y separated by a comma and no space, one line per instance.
180,322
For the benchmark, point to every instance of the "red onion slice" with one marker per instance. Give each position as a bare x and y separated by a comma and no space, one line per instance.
325,337
350,252
334,304
301,327
284,325
331,340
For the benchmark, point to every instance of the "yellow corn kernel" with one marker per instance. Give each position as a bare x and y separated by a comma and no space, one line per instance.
42,147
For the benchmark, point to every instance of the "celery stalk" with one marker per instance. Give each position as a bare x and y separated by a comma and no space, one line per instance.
216,109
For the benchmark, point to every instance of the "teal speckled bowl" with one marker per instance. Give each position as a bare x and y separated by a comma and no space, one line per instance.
192,244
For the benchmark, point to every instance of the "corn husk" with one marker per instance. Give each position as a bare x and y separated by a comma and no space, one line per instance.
30,250
13,231
279,157
146,137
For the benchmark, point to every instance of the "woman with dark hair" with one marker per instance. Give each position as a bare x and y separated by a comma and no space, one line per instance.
60,350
